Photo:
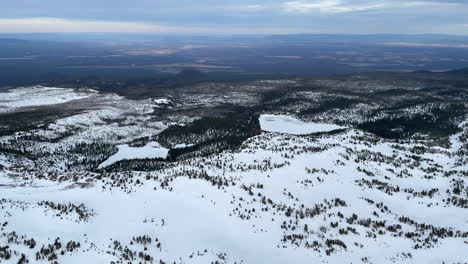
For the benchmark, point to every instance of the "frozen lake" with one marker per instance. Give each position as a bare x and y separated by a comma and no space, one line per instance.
291,125
152,150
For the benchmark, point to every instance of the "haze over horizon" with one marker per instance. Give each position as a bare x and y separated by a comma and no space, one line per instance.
236,17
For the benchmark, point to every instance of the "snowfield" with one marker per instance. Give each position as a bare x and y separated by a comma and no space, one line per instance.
291,125
183,145
152,150
162,101
38,96
294,195
291,209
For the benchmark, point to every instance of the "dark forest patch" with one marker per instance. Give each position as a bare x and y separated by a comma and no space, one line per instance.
440,122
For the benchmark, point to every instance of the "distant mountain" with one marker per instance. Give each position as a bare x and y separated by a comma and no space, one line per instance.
463,71
422,71
371,38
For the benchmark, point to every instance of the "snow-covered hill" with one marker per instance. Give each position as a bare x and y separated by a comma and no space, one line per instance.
292,192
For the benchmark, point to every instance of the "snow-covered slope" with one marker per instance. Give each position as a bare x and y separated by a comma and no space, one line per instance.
282,198
288,195
38,96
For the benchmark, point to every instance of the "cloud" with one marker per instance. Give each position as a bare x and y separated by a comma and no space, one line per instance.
247,8
236,16
327,6
339,6
61,25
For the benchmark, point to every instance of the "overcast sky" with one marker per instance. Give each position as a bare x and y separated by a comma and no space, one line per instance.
236,17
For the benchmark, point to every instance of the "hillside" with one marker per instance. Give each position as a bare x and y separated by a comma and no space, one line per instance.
353,169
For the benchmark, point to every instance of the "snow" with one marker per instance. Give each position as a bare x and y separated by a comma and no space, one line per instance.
4,162
152,150
191,214
183,145
291,125
39,96
195,215
163,101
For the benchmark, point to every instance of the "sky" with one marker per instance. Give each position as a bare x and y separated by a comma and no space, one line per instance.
236,16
